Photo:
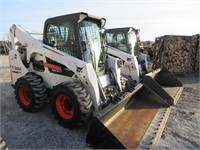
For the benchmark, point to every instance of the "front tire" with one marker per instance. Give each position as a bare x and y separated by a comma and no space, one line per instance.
71,104
30,92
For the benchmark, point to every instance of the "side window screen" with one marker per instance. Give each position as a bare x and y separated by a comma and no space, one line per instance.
54,36
62,37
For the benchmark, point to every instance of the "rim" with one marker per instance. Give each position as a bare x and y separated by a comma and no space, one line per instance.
64,106
24,95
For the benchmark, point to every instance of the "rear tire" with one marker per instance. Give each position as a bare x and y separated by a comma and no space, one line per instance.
71,104
30,92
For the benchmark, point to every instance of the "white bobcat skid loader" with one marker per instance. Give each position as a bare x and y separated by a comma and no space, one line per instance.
123,43
71,67
127,40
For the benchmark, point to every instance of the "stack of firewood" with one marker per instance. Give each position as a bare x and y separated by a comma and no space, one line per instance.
177,55
4,47
172,52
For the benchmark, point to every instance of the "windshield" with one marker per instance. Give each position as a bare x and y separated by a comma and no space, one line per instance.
91,44
117,40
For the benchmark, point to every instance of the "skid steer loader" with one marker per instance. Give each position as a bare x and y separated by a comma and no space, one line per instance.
127,40
71,67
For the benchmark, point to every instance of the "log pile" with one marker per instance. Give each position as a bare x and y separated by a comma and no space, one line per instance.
172,52
4,47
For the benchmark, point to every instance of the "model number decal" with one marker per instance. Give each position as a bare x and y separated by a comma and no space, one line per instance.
16,68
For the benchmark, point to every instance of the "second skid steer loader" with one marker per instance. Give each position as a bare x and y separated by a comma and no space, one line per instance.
135,63
127,40
71,67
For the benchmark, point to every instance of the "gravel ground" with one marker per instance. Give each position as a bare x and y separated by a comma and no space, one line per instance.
182,130
40,130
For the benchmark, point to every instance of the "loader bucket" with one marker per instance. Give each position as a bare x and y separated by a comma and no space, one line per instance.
123,125
165,84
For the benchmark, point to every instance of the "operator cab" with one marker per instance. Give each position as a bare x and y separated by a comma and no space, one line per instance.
124,39
77,35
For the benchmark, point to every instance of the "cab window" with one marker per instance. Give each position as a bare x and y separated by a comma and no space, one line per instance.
62,37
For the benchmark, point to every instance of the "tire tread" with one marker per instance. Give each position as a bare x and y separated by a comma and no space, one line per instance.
38,88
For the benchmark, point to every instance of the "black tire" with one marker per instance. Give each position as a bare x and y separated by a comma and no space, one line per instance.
71,104
30,92
3,145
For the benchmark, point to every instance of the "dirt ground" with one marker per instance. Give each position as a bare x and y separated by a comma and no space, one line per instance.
40,130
